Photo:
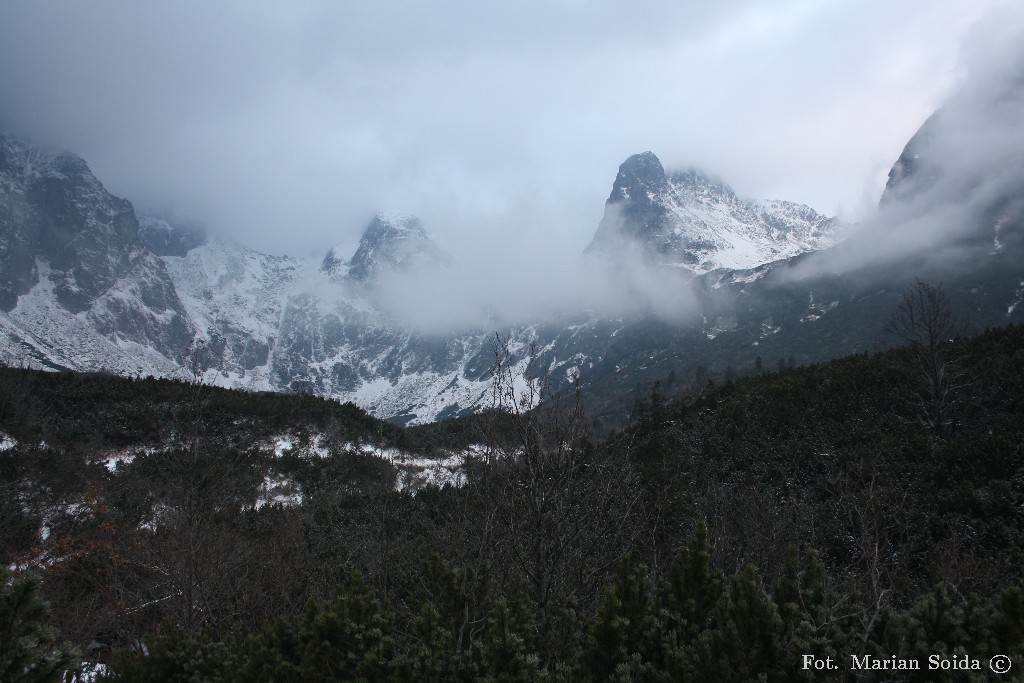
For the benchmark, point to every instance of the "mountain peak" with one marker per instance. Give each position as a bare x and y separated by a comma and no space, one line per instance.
694,221
643,162
639,176
696,181
633,210
391,240
53,208
910,175
32,161
394,227
333,261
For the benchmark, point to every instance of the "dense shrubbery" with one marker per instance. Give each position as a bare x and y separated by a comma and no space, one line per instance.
696,625
810,511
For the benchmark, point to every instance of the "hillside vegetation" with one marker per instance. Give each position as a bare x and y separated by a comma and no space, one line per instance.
833,510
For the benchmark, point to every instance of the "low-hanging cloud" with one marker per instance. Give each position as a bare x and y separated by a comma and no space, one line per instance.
961,201
287,126
488,285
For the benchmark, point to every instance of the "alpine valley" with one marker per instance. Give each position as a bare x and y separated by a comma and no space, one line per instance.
87,284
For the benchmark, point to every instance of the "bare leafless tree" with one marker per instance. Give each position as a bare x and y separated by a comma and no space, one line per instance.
194,558
873,509
924,321
567,510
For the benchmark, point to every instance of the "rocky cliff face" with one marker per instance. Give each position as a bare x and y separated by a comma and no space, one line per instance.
691,221
162,238
62,233
392,242
961,176
86,285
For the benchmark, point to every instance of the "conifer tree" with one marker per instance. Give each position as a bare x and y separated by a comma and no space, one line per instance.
451,621
1005,621
689,596
745,641
561,640
934,624
807,607
621,631
508,648
347,639
31,651
178,656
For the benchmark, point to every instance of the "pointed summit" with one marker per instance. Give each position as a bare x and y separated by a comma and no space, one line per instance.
639,176
693,221
392,241
910,174
334,262
632,208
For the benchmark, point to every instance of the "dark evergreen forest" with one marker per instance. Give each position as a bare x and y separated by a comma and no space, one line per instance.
868,507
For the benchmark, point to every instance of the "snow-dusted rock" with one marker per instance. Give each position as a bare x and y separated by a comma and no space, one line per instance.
692,221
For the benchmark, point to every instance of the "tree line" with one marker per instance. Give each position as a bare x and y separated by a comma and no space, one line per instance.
827,510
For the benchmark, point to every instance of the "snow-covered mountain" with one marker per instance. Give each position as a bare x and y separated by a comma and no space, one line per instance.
691,221
78,289
292,324
86,285
393,242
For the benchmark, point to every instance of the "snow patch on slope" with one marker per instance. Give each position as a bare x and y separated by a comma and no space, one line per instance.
40,328
717,229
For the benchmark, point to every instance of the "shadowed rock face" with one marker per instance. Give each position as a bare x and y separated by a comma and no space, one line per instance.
164,239
910,175
635,207
962,173
53,211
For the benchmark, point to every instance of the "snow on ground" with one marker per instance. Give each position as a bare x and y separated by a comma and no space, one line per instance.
291,444
7,442
414,471
91,672
278,489
1020,298
159,512
283,445
114,460
815,310
58,338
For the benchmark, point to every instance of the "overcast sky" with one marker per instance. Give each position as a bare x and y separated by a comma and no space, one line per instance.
288,125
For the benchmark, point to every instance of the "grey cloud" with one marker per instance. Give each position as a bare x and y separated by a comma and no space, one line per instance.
493,289
289,125
957,198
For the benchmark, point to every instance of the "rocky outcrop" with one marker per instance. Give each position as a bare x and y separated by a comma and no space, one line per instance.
59,224
392,242
689,220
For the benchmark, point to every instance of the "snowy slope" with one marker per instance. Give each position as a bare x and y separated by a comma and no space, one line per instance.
78,289
86,285
291,324
40,332
235,297
691,221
